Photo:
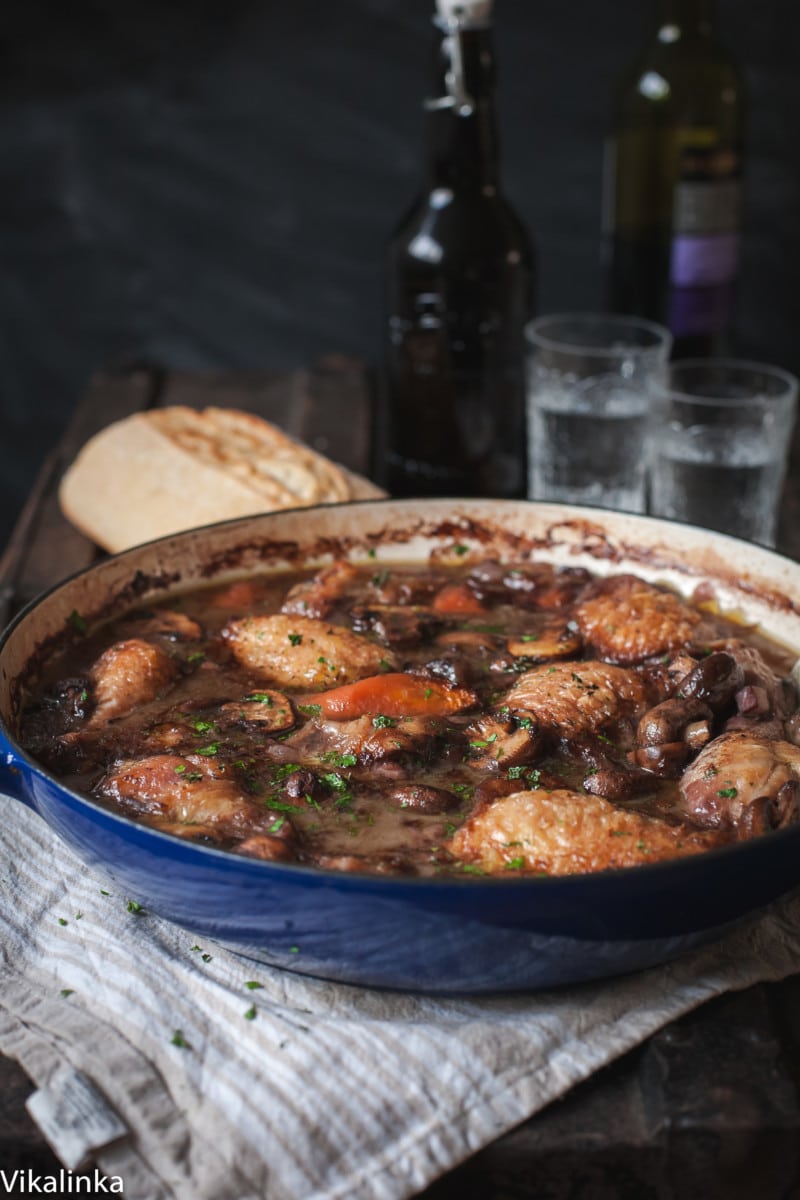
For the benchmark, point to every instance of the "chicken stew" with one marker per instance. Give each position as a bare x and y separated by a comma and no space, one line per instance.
480,719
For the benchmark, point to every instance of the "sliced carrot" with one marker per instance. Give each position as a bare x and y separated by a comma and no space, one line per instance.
457,598
392,695
241,594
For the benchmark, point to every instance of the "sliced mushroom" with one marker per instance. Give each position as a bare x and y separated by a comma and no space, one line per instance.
270,712
554,639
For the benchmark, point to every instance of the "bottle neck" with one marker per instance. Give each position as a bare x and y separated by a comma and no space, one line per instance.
461,127
688,17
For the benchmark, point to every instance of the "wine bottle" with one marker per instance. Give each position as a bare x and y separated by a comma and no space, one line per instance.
673,181
459,277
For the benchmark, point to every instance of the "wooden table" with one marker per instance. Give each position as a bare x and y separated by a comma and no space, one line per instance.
709,1108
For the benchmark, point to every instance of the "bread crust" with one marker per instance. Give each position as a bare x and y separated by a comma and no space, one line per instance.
159,472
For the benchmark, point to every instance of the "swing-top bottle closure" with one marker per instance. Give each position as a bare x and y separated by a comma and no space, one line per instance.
455,17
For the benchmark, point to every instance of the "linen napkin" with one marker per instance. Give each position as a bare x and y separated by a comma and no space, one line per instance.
231,1080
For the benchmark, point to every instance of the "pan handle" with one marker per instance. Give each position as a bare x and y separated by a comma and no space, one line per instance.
13,773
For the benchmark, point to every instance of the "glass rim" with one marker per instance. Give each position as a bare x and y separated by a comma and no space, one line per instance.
734,366
662,342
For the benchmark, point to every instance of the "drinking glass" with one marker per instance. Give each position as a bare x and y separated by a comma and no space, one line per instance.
721,436
590,393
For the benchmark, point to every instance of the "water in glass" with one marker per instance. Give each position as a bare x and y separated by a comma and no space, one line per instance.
587,441
728,480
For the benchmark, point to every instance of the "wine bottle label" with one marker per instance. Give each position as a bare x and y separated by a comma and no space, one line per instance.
704,252
705,243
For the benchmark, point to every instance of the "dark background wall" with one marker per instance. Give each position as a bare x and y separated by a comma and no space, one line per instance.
206,184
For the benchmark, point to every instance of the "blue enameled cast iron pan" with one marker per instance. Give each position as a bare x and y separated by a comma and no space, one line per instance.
446,935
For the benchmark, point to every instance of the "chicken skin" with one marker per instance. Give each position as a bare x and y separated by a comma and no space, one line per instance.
186,790
321,741
745,781
580,697
563,832
626,620
128,674
317,596
302,652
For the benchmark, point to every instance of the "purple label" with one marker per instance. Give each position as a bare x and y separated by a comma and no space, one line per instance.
700,310
705,260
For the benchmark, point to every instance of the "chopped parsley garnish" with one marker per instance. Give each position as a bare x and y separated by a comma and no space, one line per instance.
253,985
621,833
178,1039
77,622
525,722
197,657
515,864
310,710
709,772
201,726
295,638
250,1015
727,793
601,737
208,751
340,760
276,826
460,550
384,722
260,698
428,693
281,806
385,665
371,552
84,696
380,579
61,921
181,769
488,628
134,907
335,781
294,949
479,745
284,771
529,637
206,958
531,774
66,992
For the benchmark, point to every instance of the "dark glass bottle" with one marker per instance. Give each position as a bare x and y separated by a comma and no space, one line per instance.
673,179
459,283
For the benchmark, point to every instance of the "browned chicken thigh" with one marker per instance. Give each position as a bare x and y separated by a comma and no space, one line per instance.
301,652
316,597
128,674
580,697
626,620
562,832
744,781
189,795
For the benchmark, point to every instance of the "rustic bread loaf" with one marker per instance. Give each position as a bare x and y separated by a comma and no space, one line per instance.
158,472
